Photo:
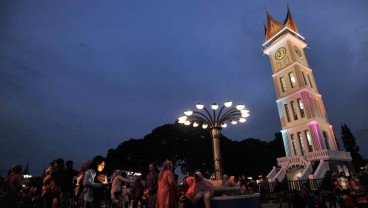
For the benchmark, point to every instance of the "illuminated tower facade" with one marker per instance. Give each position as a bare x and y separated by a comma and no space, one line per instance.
309,141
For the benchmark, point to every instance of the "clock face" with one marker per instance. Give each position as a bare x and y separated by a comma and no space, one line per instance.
297,51
280,53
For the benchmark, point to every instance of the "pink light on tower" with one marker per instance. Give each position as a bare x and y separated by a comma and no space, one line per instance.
313,126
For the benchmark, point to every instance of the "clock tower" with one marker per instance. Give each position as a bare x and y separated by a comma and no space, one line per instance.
309,141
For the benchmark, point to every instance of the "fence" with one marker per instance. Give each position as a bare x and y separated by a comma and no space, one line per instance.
315,187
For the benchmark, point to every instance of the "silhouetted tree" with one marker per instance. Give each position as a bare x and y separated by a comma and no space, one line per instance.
252,157
351,146
187,147
274,150
190,149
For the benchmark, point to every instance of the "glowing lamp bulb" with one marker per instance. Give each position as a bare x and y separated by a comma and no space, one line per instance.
188,113
182,119
214,106
187,123
244,115
228,103
244,111
240,107
200,106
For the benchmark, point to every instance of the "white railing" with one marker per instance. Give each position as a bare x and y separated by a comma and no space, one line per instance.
280,175
321,170
282,160
328,155
289,161
272,174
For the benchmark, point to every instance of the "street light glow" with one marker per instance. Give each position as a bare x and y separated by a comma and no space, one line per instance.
200,106
182,119
214,106
188,113
215,121
228,104
244,111
240,107
217,118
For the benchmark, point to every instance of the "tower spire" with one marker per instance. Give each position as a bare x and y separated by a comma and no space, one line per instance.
274,26
289,21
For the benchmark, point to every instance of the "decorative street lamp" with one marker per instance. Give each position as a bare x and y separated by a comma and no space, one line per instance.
215,121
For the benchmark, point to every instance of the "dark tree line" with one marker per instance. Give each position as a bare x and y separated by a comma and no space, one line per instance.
190,149
351,146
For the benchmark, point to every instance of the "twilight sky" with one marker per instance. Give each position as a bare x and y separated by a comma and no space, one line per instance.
80,77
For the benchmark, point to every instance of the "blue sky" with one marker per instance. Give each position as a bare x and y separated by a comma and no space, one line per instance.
80,77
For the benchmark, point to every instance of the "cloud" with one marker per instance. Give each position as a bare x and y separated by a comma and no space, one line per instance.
14,74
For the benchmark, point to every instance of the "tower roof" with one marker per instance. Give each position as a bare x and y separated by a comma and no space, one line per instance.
273,26
289,21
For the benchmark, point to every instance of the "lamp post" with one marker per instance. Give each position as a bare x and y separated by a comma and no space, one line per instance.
215,121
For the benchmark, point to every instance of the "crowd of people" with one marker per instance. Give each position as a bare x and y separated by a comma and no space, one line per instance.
339,191
61,186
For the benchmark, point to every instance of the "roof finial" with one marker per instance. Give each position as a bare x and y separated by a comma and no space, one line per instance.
288,7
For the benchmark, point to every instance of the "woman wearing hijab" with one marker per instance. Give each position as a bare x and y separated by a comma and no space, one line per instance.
166,187
199,188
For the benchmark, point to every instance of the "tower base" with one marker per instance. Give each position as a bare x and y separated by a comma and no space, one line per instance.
313,165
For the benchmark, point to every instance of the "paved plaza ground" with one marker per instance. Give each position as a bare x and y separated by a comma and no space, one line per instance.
273,205
269,205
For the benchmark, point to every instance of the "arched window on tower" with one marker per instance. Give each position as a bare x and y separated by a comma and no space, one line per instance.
310,81
305,81
287,112
301,107
283,84
309,141
293,143
294,110
300,137
292,79
325,140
